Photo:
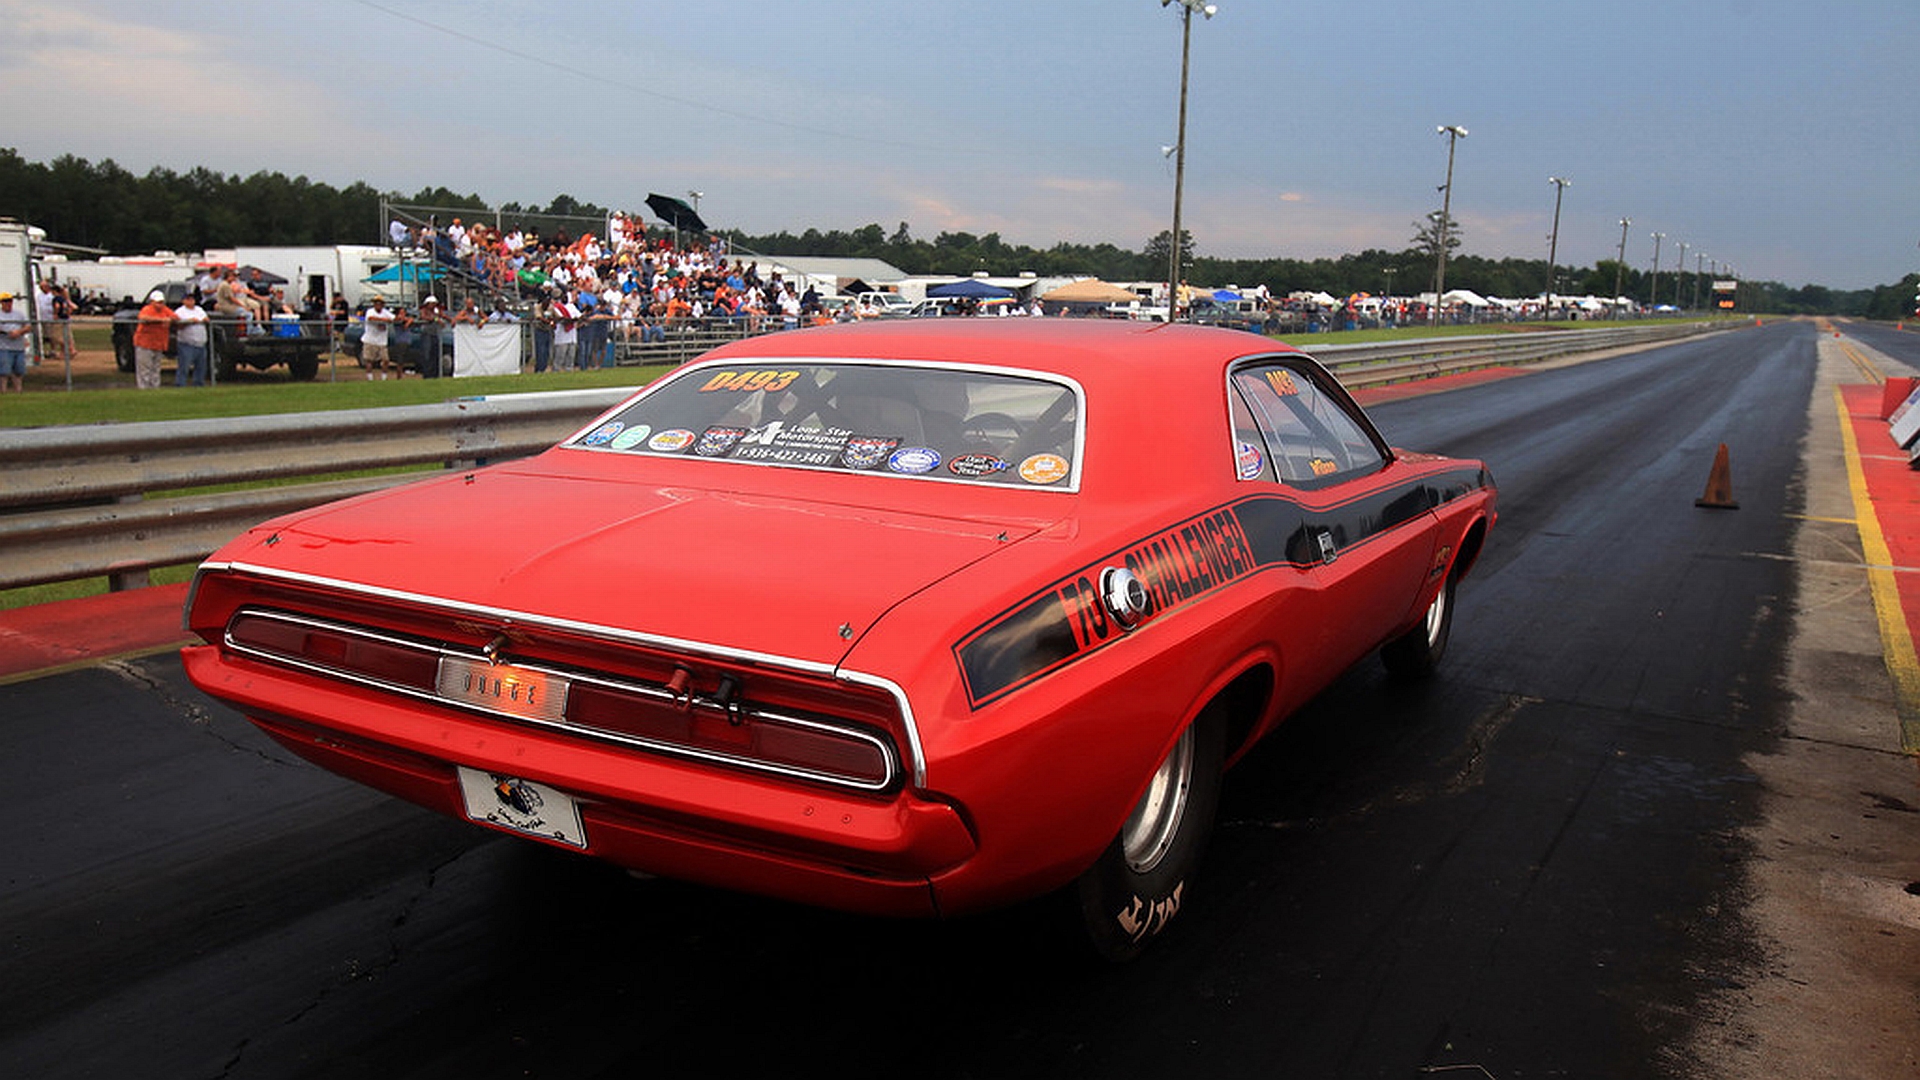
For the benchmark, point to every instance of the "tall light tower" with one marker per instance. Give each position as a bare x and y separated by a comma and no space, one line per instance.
1679,273
1187,9
1454,133
1698,259
1620,263
1553,245
1653,289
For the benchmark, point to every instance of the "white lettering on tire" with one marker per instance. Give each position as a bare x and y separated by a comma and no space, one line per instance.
1141,920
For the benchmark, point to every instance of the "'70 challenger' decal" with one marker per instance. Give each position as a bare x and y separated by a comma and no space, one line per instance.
1068,619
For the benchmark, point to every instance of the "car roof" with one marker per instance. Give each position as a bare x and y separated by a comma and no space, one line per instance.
1090,351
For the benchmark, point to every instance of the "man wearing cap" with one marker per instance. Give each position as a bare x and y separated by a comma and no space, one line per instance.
150,336
13,344
190,343
429,327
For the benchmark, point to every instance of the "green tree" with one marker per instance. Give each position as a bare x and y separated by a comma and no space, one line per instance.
1159,248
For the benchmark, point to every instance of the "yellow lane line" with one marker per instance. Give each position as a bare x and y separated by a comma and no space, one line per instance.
1866,366
1895,640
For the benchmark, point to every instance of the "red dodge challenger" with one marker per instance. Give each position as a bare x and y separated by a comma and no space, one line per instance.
908,618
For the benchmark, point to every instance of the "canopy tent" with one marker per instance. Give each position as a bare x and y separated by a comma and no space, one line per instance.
1319,298
409,272
1225,294
676,213
1465,296
968,287
1089,291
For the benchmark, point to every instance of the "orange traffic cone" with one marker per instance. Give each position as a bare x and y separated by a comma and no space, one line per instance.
1719,493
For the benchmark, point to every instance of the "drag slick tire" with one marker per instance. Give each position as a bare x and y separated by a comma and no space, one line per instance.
1416,653
1138,884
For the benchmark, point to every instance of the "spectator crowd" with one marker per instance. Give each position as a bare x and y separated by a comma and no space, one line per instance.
587,292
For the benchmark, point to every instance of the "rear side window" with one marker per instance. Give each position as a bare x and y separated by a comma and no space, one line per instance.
942,423
1306,435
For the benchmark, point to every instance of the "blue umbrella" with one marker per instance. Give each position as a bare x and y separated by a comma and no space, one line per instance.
978,290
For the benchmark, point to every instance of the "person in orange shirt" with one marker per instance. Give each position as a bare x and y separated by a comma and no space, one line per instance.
151,335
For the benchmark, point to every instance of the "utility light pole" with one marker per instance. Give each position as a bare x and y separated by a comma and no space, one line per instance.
1653,289
1553,245
1620,264
1454,133
1187,8
1679,273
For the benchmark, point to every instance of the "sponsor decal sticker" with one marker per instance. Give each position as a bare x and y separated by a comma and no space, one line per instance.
716,441
1044,469
1323,466
866,451
780,444
974,466
1250,461
631,437
603,434
1282,382
914,460
671,441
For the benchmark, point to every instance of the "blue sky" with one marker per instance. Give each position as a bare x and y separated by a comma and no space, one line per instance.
1772,136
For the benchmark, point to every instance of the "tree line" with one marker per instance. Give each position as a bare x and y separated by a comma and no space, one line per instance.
103,205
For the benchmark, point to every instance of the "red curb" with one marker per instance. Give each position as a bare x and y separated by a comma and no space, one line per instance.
1893,487
48,637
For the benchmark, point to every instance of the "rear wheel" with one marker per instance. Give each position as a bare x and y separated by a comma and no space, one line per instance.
1416,653
1136,888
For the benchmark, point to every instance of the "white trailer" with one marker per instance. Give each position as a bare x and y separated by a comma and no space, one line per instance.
340,269
114,278
16,258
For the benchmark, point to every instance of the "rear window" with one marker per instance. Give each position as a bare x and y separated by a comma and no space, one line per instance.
957,424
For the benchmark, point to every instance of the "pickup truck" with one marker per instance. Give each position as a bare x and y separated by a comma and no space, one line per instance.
888,304
232,341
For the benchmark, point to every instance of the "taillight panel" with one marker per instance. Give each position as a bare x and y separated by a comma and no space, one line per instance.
749,719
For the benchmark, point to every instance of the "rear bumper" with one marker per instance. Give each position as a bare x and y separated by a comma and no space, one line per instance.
677,819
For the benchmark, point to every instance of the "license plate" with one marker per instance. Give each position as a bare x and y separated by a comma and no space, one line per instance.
522,806
502,688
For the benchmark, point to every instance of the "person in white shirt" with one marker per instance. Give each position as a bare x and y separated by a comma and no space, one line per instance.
190,343
566,335
14,330
373,340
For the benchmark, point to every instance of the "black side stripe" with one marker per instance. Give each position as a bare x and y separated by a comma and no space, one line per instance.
1178,564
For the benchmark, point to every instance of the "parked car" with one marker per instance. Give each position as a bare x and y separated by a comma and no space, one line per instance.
909,617
1249,315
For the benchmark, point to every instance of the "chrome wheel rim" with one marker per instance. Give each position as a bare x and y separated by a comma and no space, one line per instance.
1155,821
1436,617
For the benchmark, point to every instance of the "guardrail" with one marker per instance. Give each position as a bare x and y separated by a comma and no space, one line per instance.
121,499
1397,361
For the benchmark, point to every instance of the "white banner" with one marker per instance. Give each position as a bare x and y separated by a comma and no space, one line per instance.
486,350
